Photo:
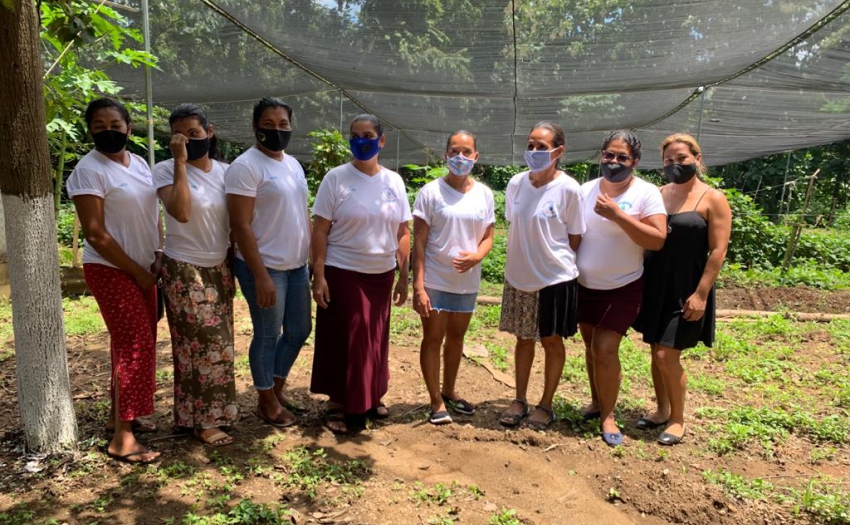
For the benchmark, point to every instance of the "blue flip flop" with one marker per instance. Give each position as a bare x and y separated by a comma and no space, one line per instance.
612,439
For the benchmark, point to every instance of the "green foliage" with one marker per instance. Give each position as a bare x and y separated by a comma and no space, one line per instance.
824,502
755,241
330,150
246,512
505,517
493,266
497,177
738,486
307,471
82,316
65,226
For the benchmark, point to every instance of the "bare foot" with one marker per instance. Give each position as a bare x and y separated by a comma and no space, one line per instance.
129,450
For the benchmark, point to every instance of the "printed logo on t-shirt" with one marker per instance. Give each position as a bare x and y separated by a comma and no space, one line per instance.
193,186
122,185
481,213
388,195
273,177
625,205
548,210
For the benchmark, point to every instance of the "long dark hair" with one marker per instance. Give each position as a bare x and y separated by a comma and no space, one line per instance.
193,111
105,103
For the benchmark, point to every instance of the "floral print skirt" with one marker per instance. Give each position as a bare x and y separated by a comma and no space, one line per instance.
199,305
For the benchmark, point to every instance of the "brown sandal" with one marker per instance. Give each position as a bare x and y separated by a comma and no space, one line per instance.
511,419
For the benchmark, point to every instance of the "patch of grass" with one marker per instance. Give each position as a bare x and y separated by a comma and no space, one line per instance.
241,366
575,369
438,495
709,384
307,471
164,375
737,485
5,320
505,517
744,425
246,512
498,355
823,502
82,316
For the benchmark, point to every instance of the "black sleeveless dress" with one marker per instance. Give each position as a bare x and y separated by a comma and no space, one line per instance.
671,275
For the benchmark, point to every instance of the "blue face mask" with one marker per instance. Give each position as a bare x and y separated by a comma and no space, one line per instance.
364,148
460,165
538,160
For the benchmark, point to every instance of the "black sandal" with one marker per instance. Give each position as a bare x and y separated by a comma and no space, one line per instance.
375,412
510,419
335,415
542,425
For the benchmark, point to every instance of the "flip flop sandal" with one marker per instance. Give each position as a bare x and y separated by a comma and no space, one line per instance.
542,425
375,412
125,458
612,439
273,422
510,419
219,439
648,424
461,406
440,418
335,415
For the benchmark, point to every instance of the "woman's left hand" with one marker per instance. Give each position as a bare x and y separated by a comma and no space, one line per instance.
400,291
465,262
606,207
156,267
694,307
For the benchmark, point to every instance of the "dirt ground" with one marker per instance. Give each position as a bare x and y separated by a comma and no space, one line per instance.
399,466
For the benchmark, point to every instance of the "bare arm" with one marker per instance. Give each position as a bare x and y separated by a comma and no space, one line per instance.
241,210
575,241
319,249
403,259
421,301
649,233
176,198
719,231
90,212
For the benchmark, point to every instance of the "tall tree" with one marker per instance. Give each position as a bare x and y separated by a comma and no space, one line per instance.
44,390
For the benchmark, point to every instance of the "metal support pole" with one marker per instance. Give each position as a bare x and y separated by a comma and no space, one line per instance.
340,112
784,182
397,149
146,26
701,110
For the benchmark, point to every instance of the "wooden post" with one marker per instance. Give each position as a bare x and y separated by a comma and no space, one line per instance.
798,228
75,243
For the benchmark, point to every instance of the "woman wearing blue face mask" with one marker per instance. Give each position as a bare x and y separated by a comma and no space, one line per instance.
625,216
453,231
360,236
543,206
677,311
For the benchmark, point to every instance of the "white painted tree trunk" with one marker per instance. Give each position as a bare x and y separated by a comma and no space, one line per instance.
47,411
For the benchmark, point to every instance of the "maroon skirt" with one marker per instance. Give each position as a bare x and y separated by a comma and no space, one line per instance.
613,309
351,355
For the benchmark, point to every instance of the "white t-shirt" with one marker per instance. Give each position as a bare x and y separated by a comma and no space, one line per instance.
539,253
365,212
608,258
280,221
130,207
203,241
457,224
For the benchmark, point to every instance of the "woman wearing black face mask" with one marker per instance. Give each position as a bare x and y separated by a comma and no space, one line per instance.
267,203
198,283
624,216
114,195
678,304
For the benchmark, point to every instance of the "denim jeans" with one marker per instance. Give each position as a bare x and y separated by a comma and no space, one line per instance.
273,352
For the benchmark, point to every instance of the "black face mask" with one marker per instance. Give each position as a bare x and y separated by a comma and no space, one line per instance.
110,140
615,172
197,148
680,173
273,139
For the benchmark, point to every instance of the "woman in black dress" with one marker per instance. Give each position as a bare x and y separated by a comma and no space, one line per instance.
678,302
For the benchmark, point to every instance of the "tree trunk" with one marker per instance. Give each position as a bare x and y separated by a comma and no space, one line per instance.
44,389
